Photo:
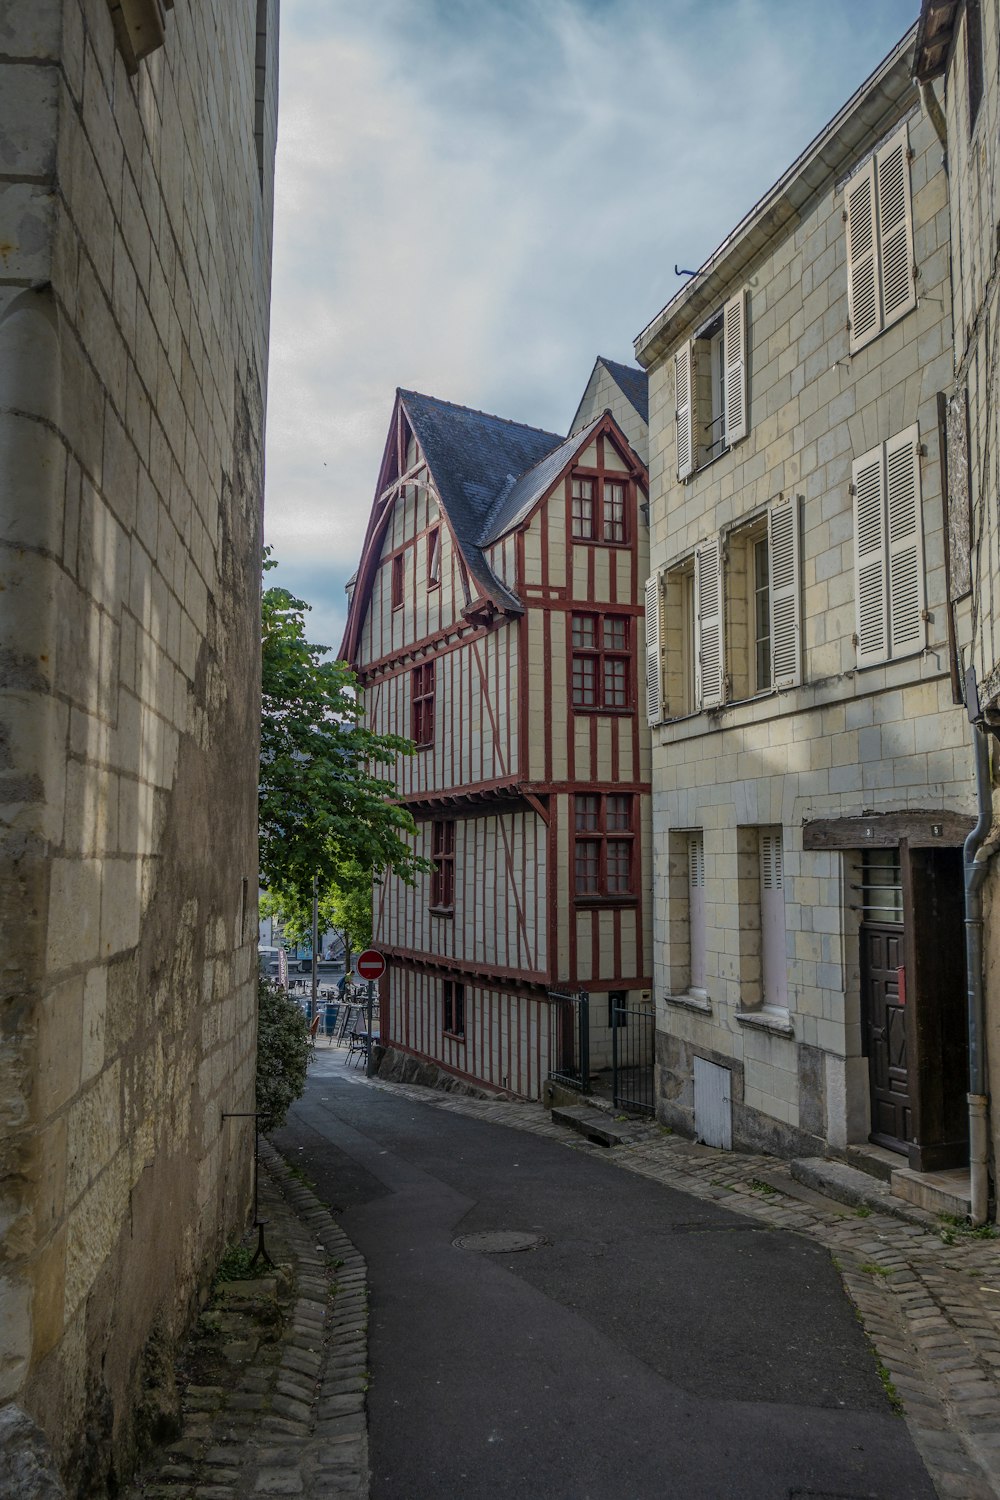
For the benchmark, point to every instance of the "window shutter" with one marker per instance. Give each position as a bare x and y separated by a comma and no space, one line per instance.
709,654
654,669
907,632
867,474
684,410
786,613
734,348
696,909
774,964
895,229
863,311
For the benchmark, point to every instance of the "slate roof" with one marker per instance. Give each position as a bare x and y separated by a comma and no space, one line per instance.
633,382
475,459
516,501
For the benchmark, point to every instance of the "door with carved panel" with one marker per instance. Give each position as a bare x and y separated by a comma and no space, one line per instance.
884,1022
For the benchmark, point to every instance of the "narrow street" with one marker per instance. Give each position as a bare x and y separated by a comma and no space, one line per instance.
651,1343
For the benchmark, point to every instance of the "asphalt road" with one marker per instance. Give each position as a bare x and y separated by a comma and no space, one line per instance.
651,1346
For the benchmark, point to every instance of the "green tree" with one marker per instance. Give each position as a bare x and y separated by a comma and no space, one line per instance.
282,1053
325,804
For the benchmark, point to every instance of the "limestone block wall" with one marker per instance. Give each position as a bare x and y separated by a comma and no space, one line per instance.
847,739
134,289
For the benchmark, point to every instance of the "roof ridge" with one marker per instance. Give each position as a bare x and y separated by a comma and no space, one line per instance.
475,411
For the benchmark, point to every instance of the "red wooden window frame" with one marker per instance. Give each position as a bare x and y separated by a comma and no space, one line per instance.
397,581
434,558
443,862
599,508
422,704
601,662
454,1007
604,845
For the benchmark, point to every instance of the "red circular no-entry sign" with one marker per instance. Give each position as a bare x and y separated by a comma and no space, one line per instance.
370,964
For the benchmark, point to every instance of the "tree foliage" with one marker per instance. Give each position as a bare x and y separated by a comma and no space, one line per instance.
325,802
282,1053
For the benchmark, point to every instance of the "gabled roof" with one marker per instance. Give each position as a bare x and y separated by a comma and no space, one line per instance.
474,458
632,382
516,501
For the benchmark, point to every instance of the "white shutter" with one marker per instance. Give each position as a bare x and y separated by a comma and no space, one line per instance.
696,908
863,310
907,631
785,589
684,409
654,669
867,474
708,620
734,350
895,229
774,964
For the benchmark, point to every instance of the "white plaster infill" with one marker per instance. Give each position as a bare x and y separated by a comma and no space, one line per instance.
697,1001
774,1022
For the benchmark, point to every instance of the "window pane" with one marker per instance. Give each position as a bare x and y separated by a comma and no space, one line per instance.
584,632
619,814
588,866
587,813
619,860
583,507
616,633
584,682
615,683
614,511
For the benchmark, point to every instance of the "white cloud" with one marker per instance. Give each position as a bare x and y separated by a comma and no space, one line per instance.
475,200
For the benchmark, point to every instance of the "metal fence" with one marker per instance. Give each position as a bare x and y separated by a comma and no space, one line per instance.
570,1039
633,1035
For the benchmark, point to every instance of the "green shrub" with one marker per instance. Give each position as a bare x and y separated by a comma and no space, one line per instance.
282,1053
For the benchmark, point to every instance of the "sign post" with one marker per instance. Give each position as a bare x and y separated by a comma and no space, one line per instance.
370,966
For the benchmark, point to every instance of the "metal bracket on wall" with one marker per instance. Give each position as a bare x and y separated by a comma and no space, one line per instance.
258,1223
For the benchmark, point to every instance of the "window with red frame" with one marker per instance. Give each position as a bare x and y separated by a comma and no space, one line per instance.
443,862
598,509
422,704
454,1007
605,844
433,558
601,661
397,581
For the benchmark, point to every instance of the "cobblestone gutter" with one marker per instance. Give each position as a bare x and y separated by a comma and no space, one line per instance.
290,1417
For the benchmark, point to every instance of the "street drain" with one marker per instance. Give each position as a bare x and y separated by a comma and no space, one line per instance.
498,1241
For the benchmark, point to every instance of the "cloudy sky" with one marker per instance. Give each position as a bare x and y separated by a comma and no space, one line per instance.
475,198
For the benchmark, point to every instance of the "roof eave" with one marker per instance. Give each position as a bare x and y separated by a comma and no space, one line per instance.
865,116
935,33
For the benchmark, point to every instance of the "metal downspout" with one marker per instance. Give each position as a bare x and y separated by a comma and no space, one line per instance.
975,874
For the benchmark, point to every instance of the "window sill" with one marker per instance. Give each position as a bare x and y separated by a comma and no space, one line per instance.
429,746
441,911
700,1003
615,713
454,1036
771,1021
594,899
596,541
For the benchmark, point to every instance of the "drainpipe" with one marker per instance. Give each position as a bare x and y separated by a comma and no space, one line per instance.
976,866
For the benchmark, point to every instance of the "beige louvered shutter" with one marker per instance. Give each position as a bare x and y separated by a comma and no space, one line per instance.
907,631
786,612
654,669
710,643
863,310
684,409
868,476
734,349
895,229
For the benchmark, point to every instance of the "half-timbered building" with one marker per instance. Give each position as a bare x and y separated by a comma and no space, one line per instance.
495,620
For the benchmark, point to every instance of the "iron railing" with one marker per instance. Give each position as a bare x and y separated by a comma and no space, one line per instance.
633,1035
570,1039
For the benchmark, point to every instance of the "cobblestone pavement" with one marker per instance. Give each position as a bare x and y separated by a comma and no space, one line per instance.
930,1308
291,1421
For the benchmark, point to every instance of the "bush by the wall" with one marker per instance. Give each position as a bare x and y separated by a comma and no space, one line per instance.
282,1054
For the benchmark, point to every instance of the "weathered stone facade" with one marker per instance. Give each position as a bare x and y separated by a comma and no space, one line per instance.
775,729
135,233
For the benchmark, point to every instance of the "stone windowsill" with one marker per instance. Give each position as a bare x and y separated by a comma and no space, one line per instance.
762,1020
700,1003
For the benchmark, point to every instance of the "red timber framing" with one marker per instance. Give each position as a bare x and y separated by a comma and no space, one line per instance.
512,760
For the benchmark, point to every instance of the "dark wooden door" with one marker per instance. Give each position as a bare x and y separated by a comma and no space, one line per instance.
884,1020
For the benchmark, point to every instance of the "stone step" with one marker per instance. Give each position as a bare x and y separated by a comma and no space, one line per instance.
596,1124
835,1179
875,1160
936,1192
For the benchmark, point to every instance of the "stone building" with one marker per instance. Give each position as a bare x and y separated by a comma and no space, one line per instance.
957,44
812,766
495,621
136,163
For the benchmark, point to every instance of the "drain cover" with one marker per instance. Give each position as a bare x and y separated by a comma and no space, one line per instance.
498,1241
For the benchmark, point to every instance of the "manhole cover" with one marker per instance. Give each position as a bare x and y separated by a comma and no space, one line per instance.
498,1241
